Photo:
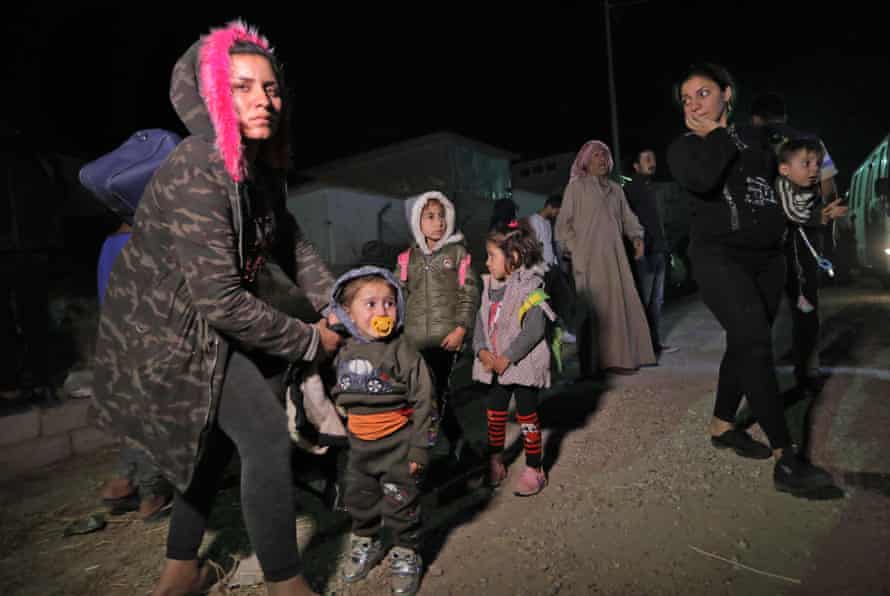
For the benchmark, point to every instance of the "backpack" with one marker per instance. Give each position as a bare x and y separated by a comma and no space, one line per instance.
119,178
554,330
405,258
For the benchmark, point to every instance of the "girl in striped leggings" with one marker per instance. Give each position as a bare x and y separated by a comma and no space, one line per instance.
512,355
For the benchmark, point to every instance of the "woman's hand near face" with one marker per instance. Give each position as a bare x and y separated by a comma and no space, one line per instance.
702,126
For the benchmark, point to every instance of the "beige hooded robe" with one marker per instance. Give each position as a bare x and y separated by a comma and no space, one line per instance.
590,225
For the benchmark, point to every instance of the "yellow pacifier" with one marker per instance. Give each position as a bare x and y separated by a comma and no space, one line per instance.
383,325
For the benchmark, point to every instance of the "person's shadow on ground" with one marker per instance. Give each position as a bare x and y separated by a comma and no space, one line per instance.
456,494
564,408
454,497
568,408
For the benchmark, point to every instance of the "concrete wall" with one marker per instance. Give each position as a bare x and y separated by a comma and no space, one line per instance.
43,436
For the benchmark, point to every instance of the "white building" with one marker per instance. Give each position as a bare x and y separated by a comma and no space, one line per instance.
471,173
544,176
350,226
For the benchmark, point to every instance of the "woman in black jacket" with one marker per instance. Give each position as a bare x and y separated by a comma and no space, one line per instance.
737,233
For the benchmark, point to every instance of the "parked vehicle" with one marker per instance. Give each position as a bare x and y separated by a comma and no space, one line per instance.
870,213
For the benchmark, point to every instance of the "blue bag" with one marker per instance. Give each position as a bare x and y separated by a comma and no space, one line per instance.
119,178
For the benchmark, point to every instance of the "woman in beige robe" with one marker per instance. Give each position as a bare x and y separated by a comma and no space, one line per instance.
611,325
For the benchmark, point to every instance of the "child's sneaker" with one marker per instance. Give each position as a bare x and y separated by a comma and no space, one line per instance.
405,567
530,482
496,470
364,554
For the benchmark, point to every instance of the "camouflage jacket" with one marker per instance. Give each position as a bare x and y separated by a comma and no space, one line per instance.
180,296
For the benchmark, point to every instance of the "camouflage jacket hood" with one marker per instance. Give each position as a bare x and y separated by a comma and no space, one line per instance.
200,94
180,297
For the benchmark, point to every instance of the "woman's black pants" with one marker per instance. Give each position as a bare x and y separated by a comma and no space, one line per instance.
743,289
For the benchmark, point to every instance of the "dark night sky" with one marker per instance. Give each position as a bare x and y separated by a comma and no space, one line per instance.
531,80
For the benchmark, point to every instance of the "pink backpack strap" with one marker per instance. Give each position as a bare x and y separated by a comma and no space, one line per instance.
403,259
462,270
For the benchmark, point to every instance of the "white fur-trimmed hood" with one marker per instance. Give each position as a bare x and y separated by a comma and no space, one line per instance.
414,207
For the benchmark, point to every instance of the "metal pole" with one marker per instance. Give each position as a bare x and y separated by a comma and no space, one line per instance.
616,148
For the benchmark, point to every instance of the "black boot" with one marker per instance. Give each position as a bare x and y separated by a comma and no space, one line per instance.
798,477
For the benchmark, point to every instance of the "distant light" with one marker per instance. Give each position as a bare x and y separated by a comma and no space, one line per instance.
887,251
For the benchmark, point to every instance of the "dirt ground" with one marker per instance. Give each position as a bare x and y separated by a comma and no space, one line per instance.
638,502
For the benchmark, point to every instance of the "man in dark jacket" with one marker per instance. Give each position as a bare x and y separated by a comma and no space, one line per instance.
650,270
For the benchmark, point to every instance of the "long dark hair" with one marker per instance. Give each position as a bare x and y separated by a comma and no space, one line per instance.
518,242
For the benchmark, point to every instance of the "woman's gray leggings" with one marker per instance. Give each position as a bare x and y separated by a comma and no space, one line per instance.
251,419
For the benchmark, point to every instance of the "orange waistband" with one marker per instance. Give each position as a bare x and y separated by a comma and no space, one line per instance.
370,427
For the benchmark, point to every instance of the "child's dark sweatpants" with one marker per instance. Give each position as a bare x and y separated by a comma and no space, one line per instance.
802,279
380,488
440,363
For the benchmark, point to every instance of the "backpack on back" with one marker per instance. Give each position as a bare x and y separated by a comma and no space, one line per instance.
119,178
554,330
404,261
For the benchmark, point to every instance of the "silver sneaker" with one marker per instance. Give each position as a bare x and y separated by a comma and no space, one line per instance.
364,554
405,567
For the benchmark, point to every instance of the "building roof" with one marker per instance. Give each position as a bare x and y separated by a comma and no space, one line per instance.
545,175
316,185
439,138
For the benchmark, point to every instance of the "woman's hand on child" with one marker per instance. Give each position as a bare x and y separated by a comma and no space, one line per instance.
500,364
454,340
328,340
639,248
414,468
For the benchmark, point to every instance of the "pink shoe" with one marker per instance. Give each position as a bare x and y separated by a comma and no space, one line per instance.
496,470
530,482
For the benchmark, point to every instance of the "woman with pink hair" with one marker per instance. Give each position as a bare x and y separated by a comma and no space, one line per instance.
613,334
190,359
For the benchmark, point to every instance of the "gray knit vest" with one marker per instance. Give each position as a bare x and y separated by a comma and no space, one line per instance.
534,369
